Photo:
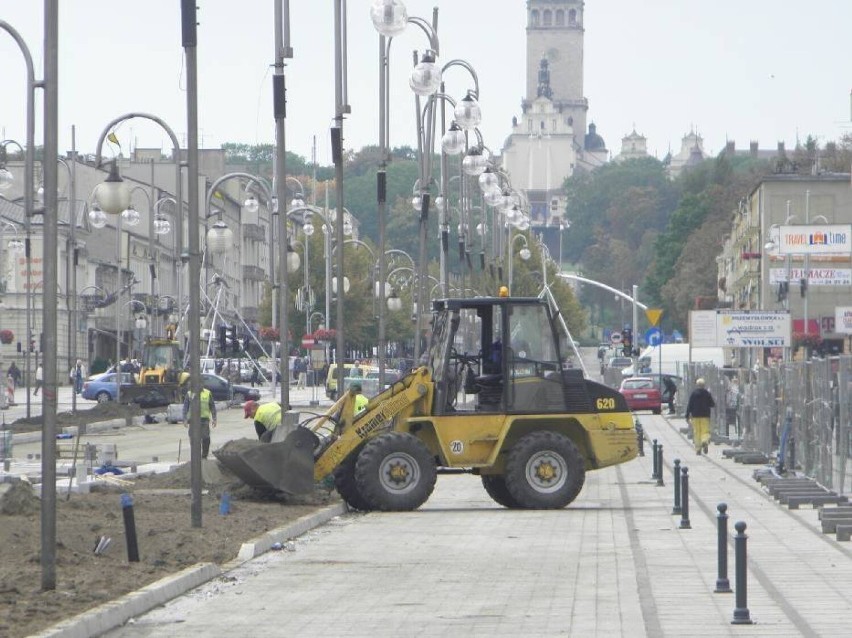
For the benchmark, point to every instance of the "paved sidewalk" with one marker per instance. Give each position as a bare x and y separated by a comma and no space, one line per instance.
615,563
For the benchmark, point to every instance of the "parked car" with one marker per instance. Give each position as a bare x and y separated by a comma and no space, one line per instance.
619,362
641,393
103,388
224,390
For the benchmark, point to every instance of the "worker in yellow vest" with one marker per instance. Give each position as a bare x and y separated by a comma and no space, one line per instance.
360,400
267,417
207,417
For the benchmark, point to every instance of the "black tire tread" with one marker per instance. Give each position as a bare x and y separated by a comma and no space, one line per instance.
367,471
495,486
526,495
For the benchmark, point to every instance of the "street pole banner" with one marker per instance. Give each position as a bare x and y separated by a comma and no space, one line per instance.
816,276
749,329
843,320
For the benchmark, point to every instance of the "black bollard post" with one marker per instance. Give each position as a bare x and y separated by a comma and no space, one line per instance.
640,437
660,465
741,613
723,585
130,528
654,459
676,472
684,498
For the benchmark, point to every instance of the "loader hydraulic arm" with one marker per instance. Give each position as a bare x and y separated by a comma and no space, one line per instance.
403,396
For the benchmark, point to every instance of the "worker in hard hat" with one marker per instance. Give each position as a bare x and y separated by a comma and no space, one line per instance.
360,400
267,417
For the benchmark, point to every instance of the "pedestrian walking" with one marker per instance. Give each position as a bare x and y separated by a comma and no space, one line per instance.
669,393
255,378
15,373
356,371
207,416
301,367
39,378
698,415
77,374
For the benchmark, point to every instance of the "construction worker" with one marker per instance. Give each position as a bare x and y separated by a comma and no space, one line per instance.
267,417
360,400
207,417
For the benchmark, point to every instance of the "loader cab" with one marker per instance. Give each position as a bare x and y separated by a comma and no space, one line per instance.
497,355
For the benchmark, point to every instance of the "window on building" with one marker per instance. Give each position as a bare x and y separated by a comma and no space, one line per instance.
534,18
560,18
547,17
572,16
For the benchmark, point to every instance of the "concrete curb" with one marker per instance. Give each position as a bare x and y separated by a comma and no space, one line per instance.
100,426
117,612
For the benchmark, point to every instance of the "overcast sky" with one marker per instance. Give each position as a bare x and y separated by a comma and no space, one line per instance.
765,70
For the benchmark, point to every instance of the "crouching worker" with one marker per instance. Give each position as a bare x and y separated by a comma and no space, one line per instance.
207,417
267,417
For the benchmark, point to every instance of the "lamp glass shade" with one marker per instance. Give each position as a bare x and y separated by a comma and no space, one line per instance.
220,238
15,246
488,181
6,178
426,76
347,227
97,218
293,261
474,163
452,143
345,285
493,197
162,226
130,216
416,203
439,202
523,223
113,194
480,229
390,17
378,290
251,205
308,228
394,302
524,253
297,202
467,113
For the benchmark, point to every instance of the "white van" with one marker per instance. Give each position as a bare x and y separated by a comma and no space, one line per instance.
674,356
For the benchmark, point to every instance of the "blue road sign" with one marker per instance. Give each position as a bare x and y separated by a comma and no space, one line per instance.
653,336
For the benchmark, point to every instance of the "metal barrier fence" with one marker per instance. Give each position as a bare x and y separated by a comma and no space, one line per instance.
816,395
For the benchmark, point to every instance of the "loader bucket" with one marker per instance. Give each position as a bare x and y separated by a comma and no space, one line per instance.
286,466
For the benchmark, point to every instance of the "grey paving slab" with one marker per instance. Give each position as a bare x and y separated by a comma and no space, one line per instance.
615,563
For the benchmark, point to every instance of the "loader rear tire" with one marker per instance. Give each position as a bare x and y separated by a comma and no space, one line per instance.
347,486
544,470
495,485
395,472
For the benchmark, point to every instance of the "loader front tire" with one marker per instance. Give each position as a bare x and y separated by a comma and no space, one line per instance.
347,486
495,485
544,470
395,472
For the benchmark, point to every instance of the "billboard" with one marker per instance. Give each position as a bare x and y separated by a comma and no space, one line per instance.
740,328
816,276
843,319
822,239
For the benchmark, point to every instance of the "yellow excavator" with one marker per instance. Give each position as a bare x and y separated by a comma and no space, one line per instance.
162,378
493,399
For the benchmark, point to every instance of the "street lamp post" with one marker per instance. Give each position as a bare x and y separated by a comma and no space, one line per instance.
524,254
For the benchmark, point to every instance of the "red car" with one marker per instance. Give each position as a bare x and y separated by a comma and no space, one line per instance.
641,393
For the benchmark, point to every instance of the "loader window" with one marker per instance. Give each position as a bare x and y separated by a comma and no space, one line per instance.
532,362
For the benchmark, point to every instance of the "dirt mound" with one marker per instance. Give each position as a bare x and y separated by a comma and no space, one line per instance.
100,412
213,476
18,499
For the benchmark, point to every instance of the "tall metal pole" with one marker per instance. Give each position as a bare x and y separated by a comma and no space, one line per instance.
190,41
279,109
806,273
381,197
49,324
72,263
341,109
118,289
635,329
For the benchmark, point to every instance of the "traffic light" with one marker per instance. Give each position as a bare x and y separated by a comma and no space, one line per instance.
235,341
223,344
627,342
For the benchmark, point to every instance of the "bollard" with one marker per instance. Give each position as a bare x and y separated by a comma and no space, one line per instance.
741,614
723,585
660,465
130,528
676,472
655,470
640,437
684,498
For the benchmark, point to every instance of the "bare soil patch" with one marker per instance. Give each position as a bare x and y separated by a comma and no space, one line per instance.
167,541
83,415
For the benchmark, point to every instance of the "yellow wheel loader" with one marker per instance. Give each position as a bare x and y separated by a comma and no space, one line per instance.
162,378
492,399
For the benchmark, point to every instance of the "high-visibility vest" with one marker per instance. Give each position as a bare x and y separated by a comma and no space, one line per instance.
269,414
204,400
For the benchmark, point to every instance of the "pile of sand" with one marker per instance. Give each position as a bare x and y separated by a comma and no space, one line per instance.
18,499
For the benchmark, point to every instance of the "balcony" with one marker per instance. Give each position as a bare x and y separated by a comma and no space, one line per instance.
254,232
254,273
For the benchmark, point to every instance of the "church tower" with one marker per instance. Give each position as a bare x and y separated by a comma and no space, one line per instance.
555,33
